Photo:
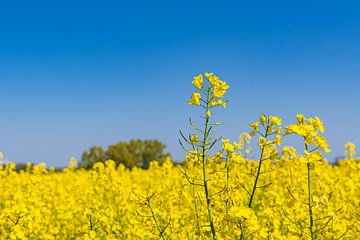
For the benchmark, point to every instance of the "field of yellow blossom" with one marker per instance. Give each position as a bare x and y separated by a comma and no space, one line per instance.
216,193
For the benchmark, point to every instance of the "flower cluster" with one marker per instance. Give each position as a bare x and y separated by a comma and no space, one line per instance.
213,84
310,129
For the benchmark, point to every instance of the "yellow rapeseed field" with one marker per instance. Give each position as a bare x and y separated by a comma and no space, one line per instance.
217,193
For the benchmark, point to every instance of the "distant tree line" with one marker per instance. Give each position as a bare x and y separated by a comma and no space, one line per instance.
133,153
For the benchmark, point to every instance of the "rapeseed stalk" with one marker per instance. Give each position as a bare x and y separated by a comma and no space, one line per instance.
210,96
228,163
310,129
161,230
268,151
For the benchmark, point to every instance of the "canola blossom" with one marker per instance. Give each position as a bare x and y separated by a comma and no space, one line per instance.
254,188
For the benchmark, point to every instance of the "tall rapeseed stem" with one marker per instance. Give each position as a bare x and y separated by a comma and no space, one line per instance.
210,96
271,126
310,129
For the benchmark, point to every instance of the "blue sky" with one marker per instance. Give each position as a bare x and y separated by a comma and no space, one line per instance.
79,73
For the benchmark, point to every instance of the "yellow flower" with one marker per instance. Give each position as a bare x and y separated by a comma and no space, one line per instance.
278,130
214,80
220,89
275,120
313,158
194,138
300,118
262,141
262,119
255,126
195,99
208,113
317,123
98,166
227,145
278,140
321,143
198,81
302,129
288,152
218,102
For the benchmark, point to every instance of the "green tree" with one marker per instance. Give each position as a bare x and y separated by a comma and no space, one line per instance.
95,154
134,153
154,150
122,153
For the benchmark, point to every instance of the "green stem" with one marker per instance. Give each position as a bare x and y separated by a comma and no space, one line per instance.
227,186
196,212
258,170
311,221
204,161
155,219
242,232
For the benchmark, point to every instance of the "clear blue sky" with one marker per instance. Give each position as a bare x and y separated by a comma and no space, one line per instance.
79,73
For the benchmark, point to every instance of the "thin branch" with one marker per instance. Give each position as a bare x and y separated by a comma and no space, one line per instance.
264,186
222,190
185,139
189,179
182,146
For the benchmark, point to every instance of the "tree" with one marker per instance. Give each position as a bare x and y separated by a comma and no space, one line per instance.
134,153
95,154
153,150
